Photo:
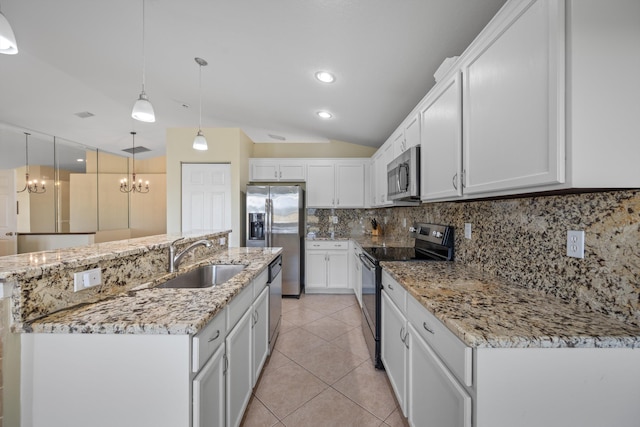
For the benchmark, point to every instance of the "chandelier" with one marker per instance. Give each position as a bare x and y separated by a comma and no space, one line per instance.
133,186
31,186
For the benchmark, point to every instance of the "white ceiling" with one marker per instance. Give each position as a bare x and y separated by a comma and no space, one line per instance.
86,55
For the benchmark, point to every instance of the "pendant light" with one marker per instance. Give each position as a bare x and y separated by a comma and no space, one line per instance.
142,109
8,43
133,187
30,186
200,142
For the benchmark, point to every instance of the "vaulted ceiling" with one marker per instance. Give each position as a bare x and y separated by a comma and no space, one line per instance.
86,56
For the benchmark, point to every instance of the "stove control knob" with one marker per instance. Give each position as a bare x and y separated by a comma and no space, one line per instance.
437,234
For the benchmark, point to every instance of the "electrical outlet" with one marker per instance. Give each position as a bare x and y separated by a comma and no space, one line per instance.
575,244
335,219
86,279
467,230
404,222
222,241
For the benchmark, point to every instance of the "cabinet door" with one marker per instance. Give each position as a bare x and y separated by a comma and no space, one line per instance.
292,172
350,186
338,269
208,392
320,186
240,368
385,159
441,149
434,397
316,269
260,333
398,144
412,132
393,351
513,98
266,171
356,275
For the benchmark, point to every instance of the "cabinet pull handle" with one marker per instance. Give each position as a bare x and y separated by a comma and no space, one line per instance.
280,174
424,325
226,364
455,184
216,337
275,174
462,178
338,202
389,286
406,339
402,334
257,317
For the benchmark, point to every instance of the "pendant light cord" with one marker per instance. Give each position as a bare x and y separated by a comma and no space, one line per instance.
144,59
200,90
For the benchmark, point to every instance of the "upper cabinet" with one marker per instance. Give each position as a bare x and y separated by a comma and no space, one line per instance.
336,184
441,149
273,170
407,136
379,162
513,101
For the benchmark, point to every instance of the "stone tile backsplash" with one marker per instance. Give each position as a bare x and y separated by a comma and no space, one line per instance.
524,241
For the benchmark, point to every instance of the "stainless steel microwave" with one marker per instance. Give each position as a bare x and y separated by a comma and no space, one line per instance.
403,176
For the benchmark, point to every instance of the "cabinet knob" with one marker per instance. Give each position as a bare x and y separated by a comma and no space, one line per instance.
9,233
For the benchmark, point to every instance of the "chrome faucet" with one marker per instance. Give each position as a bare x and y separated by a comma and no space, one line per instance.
174,260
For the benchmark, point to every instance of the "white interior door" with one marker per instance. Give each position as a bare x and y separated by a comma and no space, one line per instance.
206,196
8,214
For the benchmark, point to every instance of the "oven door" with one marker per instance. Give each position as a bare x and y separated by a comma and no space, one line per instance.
370,304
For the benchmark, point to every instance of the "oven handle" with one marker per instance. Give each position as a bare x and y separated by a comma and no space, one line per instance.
367,262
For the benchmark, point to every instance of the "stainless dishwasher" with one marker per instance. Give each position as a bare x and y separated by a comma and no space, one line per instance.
275,300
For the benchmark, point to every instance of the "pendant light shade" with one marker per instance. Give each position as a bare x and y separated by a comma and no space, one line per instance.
8,43
142,109
200,142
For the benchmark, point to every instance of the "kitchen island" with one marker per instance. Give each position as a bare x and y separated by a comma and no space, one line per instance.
129,353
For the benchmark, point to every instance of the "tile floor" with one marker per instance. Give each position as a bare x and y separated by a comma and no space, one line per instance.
320,372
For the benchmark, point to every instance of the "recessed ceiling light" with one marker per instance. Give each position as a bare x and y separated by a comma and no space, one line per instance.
278,137
325,77
79,160
324,114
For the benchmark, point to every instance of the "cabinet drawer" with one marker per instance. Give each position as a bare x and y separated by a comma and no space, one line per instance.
206,342
327,244
260,282
397,293
453,352
239,305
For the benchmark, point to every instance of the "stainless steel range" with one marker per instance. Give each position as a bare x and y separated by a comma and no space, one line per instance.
432,242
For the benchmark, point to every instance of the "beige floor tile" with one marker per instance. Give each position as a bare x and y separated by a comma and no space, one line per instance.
338,301
286,326
298,342
257,415
329,362
327,328
301,316
396,419
330,409
289,304
369,388
350,315
285,389
276,360
354,342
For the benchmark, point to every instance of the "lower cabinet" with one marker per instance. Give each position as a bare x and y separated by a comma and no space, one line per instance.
240,368
394,348
209,392
260,333
327,266
355,270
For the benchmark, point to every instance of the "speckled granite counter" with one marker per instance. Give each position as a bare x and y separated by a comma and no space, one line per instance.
145,310
372,241
485,311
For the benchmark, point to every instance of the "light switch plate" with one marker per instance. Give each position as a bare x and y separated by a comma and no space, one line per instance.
575,244
467,230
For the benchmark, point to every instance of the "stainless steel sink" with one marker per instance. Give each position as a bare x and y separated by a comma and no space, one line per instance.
204,277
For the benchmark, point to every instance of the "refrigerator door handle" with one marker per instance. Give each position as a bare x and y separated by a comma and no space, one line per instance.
268,209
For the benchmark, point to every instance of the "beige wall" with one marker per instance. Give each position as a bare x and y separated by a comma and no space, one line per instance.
306,150
226,145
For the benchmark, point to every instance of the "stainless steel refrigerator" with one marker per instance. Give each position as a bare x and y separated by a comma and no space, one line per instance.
275,218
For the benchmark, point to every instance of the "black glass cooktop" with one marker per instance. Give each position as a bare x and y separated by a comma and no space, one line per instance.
396,254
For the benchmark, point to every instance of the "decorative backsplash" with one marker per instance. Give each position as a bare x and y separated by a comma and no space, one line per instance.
524,241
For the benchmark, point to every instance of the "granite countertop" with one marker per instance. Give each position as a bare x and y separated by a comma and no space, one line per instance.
485,311
371,241
145,310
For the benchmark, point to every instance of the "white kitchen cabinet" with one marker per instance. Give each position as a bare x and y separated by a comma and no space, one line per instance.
434,396
209,399
327,266
275,170
240,369
260,333
394,348
513,100
407,135
337,184
381,159
441,149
